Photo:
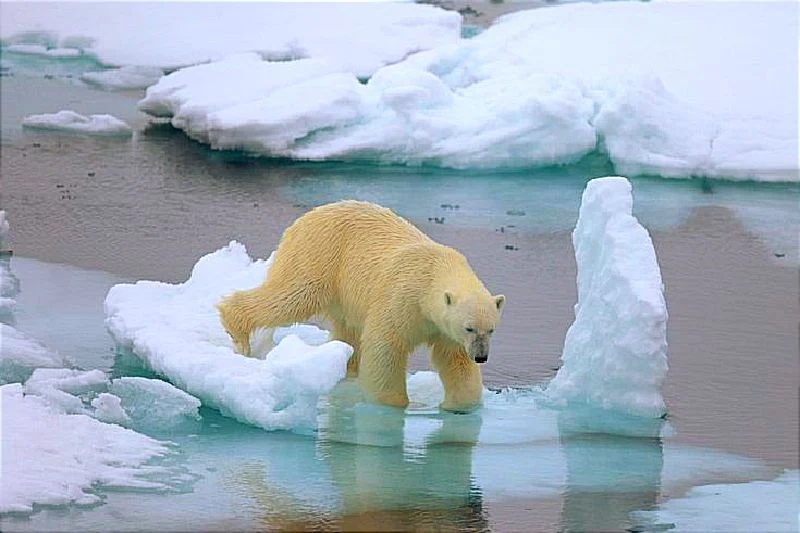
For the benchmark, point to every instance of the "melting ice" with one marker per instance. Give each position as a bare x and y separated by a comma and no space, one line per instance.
615,353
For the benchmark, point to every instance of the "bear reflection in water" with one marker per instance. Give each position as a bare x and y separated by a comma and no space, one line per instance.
391,470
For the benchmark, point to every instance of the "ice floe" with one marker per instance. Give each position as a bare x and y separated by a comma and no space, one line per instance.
9,285
71,121
650,84
78,455
755,506
176,330
62,387
20,355
150,404
615,352
128,77
359,38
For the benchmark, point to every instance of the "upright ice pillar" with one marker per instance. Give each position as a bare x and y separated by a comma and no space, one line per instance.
615,353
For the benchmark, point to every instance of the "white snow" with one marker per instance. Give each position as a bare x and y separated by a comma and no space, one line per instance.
653,85
129,77
20,355
615,352
756,506
108,408
62,387
357,37
176,330
67,120
52,458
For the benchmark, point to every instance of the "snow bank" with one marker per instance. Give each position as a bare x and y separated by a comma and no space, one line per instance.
615,353
358,37
129,77
756,506
176,330
650,84
74,122
20,355
52,458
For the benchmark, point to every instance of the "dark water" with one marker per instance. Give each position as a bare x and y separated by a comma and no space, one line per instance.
150,206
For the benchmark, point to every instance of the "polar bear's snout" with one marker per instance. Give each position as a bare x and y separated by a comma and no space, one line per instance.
478,349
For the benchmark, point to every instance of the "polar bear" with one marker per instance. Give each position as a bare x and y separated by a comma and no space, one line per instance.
386,287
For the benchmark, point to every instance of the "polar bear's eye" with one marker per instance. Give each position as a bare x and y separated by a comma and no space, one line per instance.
491,331
470,330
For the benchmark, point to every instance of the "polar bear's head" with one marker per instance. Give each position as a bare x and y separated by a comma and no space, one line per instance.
470,318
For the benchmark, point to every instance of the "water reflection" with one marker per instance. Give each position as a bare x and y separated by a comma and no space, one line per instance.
608,477
418,469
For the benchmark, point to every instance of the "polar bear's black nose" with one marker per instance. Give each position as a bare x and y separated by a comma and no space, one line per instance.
481,358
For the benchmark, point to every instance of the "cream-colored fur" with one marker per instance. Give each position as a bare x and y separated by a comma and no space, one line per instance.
386,288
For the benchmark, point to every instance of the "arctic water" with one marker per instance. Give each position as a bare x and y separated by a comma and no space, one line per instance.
88,213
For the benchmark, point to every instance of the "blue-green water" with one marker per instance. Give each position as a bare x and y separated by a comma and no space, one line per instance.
94,212
368,464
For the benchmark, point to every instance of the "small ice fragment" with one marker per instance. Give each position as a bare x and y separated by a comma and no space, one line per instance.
21,354
129,77
153,403
74,122
108,408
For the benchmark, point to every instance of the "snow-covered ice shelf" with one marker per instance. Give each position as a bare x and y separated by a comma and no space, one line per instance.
652,85
358,37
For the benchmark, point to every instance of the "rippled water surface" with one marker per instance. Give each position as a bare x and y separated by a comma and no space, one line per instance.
87,213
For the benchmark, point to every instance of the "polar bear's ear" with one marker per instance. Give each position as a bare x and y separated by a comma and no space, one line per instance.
499,301
449,298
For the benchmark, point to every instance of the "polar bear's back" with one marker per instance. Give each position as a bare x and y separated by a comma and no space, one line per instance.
348,247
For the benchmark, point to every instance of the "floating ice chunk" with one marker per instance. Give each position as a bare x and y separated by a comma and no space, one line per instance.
62,386
496,101
77,455
40,50
130,77
360,39
153,403
21,354
755,506
615,353
5,229
108,408
9,285
176,330
71,121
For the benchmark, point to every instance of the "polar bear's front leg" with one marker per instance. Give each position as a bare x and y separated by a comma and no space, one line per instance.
461,377
382,368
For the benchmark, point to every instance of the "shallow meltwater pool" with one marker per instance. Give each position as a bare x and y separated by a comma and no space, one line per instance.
517,464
